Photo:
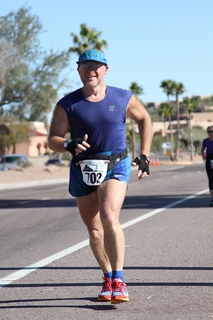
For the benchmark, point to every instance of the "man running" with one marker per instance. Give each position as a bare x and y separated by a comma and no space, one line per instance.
95,115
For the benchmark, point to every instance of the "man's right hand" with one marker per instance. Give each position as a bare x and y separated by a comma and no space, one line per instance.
78,145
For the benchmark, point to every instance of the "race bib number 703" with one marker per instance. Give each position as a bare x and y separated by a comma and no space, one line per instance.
94,171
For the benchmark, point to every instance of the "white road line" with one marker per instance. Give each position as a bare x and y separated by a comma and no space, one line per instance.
174,168
33,267
154,212
24,202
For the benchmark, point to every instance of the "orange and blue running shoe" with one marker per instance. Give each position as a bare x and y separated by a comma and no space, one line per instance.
106,292
119,291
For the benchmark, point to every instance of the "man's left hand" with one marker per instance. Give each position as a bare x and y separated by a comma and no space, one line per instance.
143,165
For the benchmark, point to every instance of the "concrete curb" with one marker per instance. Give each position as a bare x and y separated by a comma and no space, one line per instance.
180,163
20,185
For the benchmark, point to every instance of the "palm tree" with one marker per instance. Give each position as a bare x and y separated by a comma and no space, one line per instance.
163,111
167,111
88,39
190,104
137,90
178,90
168,87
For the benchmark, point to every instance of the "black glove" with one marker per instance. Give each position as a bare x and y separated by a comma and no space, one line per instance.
143,163
73,145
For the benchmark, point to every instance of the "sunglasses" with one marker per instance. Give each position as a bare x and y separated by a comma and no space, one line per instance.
210,131
92,66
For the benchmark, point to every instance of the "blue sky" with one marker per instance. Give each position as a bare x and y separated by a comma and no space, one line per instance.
148,41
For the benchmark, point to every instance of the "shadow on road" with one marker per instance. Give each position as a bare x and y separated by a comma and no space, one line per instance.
159,201
131,202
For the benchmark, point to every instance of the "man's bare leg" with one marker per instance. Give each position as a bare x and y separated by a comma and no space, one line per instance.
89,211
111,195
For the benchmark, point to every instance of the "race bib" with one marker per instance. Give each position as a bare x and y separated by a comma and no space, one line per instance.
211,164
94,171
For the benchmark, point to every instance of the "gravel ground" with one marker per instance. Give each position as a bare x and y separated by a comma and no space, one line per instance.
36,172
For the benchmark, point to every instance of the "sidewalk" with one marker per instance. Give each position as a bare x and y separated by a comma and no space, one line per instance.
36,175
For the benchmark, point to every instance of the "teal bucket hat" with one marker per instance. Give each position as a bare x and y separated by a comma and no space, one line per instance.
92,55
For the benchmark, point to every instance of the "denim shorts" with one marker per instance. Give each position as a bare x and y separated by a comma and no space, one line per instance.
78,188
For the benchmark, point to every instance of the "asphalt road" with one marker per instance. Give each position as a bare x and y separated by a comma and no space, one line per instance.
48,271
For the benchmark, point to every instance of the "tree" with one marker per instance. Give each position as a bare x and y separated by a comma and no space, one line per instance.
172,88
197,133
137,90
7,58
178,90
167,111
168,87
163,111
88,39
190,104
31,78
157,142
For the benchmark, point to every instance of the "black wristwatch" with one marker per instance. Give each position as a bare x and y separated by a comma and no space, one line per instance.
66,143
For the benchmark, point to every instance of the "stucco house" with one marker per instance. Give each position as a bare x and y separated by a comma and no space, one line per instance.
38,132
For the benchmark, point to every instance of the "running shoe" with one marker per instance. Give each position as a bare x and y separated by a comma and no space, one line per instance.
106,292
119,291
211,204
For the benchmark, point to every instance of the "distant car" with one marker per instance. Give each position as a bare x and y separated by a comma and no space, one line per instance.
54,161
11,161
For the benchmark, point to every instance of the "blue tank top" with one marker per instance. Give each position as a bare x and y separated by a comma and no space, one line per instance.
103,121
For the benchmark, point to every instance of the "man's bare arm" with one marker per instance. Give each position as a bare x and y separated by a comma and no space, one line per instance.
58,128
138,113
